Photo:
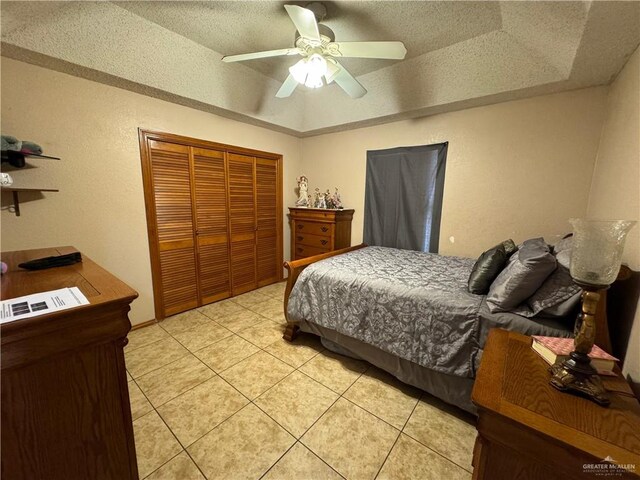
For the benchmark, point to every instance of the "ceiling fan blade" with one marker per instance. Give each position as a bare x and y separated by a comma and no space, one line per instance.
389,50
305,21
287,87
348,83
268,53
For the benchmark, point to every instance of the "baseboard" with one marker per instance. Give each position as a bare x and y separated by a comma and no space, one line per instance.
143,324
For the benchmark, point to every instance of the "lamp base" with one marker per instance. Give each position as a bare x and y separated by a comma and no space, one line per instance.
576,375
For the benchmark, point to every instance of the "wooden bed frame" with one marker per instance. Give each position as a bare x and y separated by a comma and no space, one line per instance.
295,267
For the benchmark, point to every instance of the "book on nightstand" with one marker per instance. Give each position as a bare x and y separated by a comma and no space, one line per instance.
555,349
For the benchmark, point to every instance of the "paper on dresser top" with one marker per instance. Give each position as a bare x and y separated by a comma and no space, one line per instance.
41,304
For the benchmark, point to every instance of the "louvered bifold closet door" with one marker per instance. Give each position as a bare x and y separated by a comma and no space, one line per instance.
242,222
170,174
209,179
268,221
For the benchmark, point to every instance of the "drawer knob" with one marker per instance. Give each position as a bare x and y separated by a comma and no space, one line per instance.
299,238
323,242
324,229
300,249
300,227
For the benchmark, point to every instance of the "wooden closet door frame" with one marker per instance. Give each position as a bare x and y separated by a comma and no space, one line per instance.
144,136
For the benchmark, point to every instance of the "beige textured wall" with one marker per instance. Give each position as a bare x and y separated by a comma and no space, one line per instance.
100,206
514,170
615,190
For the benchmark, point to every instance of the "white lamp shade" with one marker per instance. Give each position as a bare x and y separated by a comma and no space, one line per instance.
309,71
299,71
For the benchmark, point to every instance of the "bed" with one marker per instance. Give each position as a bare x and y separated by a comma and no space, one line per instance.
408,313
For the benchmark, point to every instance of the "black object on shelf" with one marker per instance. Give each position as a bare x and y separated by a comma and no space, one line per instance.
17,159
50,262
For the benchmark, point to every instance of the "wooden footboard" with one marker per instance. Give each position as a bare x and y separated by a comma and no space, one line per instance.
294,268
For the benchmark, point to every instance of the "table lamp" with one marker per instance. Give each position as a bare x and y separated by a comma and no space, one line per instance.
595,262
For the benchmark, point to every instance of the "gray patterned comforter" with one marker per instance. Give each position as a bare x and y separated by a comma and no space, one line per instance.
411,304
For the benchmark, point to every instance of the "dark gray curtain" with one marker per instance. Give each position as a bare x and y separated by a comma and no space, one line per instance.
403,197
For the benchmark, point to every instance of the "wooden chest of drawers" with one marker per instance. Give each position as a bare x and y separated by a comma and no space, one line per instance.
317,230
65,402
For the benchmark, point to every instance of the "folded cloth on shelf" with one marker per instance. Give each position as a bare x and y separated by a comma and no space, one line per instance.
7,142
31,147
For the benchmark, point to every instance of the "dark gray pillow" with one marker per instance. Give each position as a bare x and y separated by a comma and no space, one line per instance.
565,244
524,274
564,308
557,296
486,269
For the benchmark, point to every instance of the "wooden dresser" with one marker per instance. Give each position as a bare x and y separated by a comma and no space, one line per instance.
65,402
318,230
529,430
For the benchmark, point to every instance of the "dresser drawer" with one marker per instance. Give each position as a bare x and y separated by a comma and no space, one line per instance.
314,228
303,251
313,240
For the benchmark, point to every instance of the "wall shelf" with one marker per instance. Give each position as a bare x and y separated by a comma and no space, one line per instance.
15,191
12,153
16,196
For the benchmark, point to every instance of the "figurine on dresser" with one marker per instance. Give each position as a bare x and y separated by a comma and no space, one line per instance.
333,201
321,201
303,196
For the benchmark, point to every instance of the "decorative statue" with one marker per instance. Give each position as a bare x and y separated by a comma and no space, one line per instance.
303,197
327,199
336,200
320,201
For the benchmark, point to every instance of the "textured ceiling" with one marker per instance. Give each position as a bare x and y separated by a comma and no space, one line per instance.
460,54
241,27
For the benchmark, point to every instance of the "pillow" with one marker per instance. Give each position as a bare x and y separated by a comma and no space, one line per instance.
524,274
565,244
557,296
488,266
486,269
563,309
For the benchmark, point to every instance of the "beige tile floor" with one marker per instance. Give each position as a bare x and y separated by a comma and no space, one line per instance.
216,393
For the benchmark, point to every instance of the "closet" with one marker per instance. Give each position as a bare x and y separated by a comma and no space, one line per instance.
214,218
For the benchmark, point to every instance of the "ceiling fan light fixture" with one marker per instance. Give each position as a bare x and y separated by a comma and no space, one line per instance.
313,80
316,43
300,70
309,71
317,69
317,64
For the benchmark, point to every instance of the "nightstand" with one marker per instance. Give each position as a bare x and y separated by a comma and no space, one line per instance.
529,430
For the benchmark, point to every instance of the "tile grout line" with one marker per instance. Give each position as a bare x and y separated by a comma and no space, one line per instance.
170,431
398,437
195,463
373,414
154,471
439,453
427,446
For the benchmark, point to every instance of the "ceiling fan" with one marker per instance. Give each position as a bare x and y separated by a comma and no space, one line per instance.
316,44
